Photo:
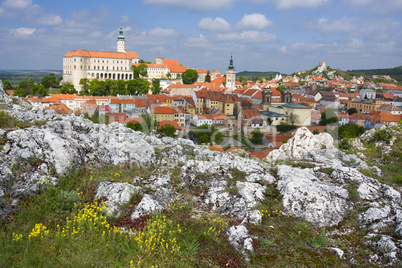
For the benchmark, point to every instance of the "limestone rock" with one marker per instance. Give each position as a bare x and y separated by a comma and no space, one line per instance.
146,206
338,252
303,142
305,196
253,193
374,214
117,194
239,238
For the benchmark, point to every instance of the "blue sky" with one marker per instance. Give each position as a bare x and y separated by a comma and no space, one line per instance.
262,35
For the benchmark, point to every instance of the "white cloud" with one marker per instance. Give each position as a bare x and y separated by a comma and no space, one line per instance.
381,7
247,37
24,32
283,49
194,5
344,24
50,19
124,19
161,32
302,46
253,22
20,4
286,4
197,41
216,25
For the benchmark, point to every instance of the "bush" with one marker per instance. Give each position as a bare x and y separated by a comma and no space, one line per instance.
383,135
134,126
283,128
257,136
350,131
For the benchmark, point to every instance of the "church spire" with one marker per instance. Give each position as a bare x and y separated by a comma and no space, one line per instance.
231,63
121,40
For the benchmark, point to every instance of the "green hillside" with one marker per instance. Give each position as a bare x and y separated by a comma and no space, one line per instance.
393,72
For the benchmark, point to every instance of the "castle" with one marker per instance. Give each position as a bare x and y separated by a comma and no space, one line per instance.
78,64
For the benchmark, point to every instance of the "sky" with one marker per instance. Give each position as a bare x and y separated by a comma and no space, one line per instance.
262,35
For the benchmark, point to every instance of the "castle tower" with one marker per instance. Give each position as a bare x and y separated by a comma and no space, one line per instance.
266,98
121,41
231,76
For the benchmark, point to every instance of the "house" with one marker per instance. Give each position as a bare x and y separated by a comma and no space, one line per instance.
276,118
120,105
117,117
162,113
89,107
343,118
367,93
390,108
181,116
201,119
252,118
358,118
365,105
297,114
103,109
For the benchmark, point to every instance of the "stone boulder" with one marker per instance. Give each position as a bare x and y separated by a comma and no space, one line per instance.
145,207
240,239
305,196
116,195
303,142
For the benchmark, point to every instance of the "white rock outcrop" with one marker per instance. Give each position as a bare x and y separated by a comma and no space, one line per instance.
302,143
146,206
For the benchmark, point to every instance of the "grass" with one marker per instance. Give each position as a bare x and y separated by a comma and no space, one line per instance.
7,122
63,226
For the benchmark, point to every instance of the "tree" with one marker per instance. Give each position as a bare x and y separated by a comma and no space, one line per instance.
168,75
39,90
206,134
189,76
257,136
280,88
293,118
156,88
52,80
269,121
328,116
7,85
137,87
45,82
207,77
20,92
149,123
283,128
140,70
134,126
168,130
68,88
352,111
84,82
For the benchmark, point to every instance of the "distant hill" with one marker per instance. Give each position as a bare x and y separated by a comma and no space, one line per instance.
15,76
259,74
393,72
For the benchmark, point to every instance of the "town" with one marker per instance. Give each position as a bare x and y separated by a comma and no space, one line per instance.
251,116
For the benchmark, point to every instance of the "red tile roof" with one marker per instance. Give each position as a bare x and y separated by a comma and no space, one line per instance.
169,122
102,54
251,114
163,110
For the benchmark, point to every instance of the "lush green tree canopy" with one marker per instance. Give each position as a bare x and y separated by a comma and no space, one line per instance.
189,76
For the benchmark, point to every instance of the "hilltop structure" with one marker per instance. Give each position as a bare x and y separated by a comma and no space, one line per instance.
78,64
231,76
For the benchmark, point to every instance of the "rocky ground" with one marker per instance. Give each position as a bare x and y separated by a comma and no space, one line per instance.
316,182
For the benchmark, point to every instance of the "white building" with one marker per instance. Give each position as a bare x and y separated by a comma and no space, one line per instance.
231,76
102,65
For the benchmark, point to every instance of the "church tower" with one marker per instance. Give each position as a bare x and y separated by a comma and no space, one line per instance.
121,41
231,76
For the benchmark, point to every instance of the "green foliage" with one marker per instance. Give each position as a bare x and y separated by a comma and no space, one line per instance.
168,130
20,92
137,87
140,71
149,123
206,134
283,128
156,88
384,135
280,88
189,76
207,77
7,85
257,136
316,132
320,240
68,88
134,126
39,90
350,131
352,111
269,121
328,116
